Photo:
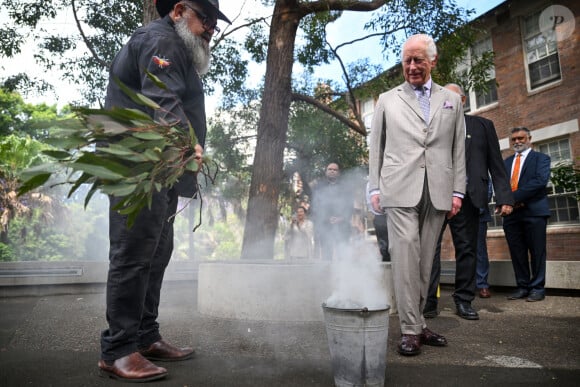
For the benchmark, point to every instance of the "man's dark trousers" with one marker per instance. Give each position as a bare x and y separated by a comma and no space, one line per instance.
138,258
464,231
382,234
528,234
334,240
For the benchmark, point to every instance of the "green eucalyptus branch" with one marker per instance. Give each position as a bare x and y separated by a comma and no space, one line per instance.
120,152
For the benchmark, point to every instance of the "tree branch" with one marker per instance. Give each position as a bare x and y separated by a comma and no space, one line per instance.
85,39
361,39
351,102
325,108
227,32
342,5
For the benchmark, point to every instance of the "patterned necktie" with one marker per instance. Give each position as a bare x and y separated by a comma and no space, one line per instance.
516,172
424,102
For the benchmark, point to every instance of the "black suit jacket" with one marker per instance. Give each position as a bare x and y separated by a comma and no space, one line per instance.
532,184
482,159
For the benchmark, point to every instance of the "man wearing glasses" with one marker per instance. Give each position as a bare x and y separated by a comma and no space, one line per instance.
175,48
525,228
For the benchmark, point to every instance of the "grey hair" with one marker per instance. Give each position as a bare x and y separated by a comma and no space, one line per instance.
461,91
519,129
431,48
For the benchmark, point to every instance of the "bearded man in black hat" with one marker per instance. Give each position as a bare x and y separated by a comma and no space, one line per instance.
175,48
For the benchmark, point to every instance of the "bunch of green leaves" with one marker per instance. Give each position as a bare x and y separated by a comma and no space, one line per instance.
122,152
566,175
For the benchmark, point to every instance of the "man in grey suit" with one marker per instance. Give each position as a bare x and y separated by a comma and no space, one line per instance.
417,176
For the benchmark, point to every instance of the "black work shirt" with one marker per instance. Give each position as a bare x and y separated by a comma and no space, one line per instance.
158,48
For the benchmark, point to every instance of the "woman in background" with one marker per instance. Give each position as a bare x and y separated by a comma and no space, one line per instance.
300,236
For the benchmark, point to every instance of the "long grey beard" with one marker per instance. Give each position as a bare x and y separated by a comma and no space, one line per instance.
197,47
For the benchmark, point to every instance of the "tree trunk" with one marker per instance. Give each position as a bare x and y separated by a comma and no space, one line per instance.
149,12
262,216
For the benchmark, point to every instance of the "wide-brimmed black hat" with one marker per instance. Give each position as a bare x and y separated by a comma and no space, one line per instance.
164,6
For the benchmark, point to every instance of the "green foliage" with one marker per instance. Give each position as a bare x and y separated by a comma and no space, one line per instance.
71,234
317,139
219,240
25,85
361,72
230,70
227,239
567,176
106,28
230,136
477,78
402,18
230,139
142,156
32,240
83,56
12,104
447,24
256,42
18,117
18,153
314,51
7,253
12,41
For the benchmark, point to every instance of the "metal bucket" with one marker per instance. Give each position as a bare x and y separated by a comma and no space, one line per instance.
357,339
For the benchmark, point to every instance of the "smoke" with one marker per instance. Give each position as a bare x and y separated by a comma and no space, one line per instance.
339,214
357,279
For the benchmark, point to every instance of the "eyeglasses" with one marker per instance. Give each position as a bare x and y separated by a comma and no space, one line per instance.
522,138
417,60
207,23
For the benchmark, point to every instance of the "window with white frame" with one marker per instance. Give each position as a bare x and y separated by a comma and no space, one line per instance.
564,208
477,99
489,95
367,109
462,68
563,204
541,52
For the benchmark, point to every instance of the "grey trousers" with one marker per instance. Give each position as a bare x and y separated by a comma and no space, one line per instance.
413,234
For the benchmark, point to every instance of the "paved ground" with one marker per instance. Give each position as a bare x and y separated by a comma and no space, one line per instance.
53,341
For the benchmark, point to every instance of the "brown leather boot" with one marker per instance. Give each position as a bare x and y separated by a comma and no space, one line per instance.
132,368
162,351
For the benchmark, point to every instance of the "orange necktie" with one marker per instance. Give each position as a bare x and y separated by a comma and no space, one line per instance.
516,173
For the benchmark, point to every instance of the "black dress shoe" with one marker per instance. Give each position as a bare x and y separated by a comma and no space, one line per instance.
467,312
535,296
410,345
430,310
432,313
428,337
518,294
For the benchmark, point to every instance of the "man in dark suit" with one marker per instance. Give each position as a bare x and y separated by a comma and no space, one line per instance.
332,210
482,159
525,229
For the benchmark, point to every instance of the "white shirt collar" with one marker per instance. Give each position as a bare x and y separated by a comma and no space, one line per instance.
526,152
426,86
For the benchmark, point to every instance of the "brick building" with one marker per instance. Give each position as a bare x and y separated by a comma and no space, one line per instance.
534,83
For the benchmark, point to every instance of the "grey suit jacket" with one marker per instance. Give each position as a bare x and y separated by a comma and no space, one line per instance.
404,148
